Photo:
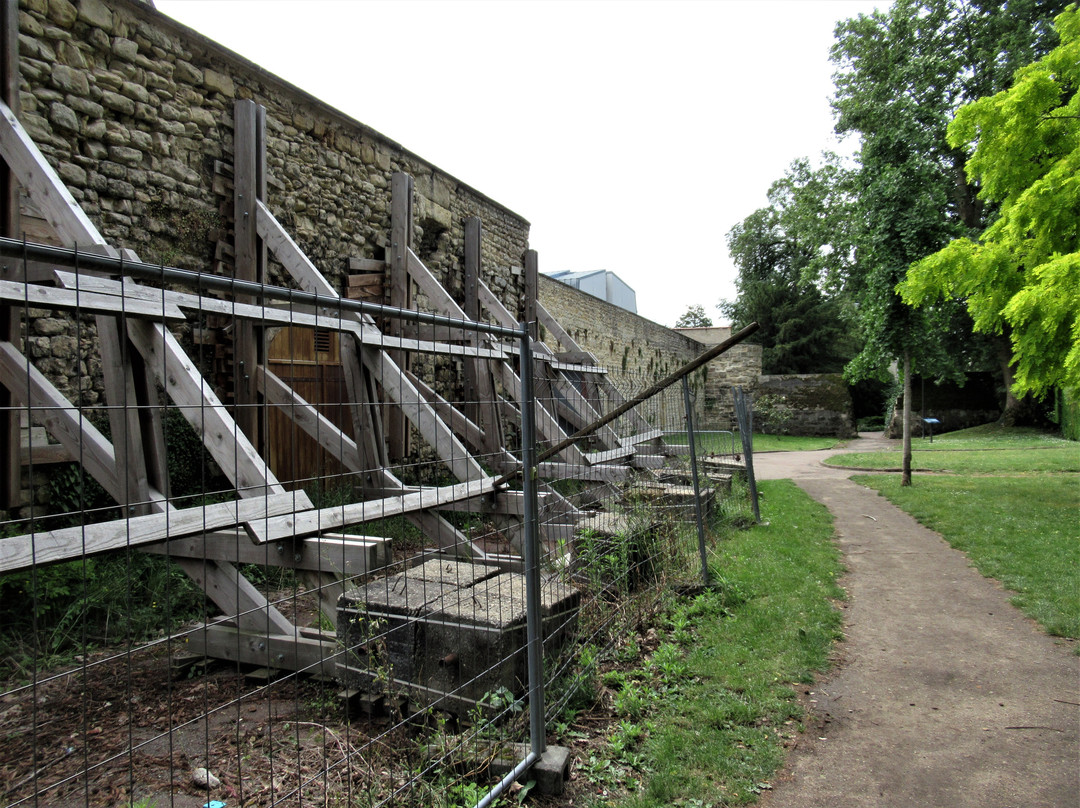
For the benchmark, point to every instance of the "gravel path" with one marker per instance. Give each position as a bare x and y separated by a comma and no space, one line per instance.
945,695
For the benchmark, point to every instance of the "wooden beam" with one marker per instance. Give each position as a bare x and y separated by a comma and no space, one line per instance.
246,265
438,298
29,388
125,424
43,184
532,269
285,651
473,242
436,432
401,228
546,425
46,547
461,425
595,458
308,523
88,302
183,383
344,555
10,324
572,471
306,416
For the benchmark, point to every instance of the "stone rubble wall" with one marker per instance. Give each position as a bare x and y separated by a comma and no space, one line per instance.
804,404
133,110
638,352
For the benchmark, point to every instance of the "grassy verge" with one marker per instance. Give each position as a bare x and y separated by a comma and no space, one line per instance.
1020,530
705,718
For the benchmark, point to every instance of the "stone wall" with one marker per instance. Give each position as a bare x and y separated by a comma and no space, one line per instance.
955,406
804,404
639,352
135,113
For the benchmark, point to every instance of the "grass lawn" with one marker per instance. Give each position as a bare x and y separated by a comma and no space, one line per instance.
716,700
721,442
986,449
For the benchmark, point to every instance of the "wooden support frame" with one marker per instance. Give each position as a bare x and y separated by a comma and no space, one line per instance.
10,428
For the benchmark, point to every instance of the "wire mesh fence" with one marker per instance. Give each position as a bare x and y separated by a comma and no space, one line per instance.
301,581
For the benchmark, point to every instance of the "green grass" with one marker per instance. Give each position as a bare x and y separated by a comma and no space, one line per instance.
720,706
978,461
988,449
721,443
1020,530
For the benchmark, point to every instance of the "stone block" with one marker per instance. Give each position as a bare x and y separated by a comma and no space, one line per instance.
95,14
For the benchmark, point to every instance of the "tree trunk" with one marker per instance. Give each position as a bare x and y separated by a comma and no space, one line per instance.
905,478
1011,411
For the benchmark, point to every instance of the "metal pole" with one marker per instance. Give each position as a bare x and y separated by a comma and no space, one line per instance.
534,624
697,485
744,411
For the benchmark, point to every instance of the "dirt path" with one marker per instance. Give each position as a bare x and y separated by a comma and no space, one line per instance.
946,694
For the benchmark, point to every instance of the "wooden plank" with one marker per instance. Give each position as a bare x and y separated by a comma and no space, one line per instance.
496,309
438,298
124,422
577,471
199,405
584,410
291,256
306,416
43,184
260,314
436,432
290,652
401,229
461,425
45,455
555,328
10,323
246,354
366,265
595,458
89,302
642,437
546,426
308,523
29,388
46,547
343,555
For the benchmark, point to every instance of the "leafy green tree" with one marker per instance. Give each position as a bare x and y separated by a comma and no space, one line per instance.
694,317
901,76
1021,277
784,254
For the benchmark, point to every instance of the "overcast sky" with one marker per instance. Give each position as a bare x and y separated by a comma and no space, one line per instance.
632,135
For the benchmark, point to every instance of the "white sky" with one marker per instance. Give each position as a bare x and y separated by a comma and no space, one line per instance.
633,135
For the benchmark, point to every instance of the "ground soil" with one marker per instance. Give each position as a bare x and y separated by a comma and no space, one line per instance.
945,694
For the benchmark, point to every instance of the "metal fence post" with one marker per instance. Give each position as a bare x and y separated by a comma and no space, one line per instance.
534,623
697,485
744,413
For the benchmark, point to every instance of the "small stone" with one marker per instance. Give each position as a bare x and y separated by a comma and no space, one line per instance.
204,779
63,117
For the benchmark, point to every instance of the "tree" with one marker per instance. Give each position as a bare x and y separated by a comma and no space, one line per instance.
1021,277
901,76
785,253
694,317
